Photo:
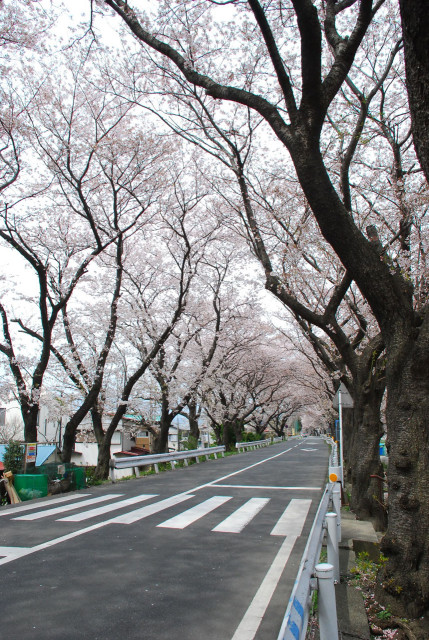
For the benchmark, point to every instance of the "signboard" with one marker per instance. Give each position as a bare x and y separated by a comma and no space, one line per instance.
346,399
30,453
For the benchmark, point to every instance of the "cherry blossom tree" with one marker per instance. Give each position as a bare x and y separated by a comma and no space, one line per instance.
296,106
72,203
261,206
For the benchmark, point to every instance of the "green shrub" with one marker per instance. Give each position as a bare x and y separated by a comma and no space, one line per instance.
250,436
14,457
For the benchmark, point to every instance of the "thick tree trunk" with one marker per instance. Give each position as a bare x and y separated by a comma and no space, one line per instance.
161,439
97,423
406,543
102,468
194,429
229,438
348,433
364,454
217,430
29,414
104,440
238,430
72,425
415,30
69,440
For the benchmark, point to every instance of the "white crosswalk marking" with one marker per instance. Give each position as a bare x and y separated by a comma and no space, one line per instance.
150,509
293,518
38,505
68,507
92,513
195,513
236,522
290,522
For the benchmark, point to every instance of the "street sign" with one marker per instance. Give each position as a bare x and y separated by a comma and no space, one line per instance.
346,399
30,452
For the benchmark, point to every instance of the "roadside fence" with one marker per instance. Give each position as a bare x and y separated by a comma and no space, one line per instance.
315,576
256,444
136,462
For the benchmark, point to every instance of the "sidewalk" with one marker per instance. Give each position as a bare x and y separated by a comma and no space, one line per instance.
356,536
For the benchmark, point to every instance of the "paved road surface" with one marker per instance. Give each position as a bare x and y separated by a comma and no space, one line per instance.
209,551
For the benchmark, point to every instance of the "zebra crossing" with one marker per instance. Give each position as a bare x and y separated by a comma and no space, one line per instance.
290,522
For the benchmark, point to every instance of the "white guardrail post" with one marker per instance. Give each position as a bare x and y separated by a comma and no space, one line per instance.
332,544
336,503
327,606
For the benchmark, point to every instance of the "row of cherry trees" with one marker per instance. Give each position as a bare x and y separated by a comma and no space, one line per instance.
339,231
128,290
301,111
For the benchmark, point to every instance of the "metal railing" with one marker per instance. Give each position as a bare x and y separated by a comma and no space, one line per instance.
135,462
143,461
314,576
256,444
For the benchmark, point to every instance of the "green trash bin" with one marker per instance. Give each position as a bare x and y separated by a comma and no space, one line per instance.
78,474
30,486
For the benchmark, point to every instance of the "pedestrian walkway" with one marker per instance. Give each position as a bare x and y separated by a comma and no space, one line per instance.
357,536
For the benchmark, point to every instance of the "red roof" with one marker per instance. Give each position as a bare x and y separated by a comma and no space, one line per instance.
1,466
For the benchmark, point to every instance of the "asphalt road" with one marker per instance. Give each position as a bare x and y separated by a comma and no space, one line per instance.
210,551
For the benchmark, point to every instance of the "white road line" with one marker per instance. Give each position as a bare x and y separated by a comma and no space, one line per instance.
249,625
242,516
293,518
189,516
13,552
150,509
50,543
37,505
17,552
68,507
235,473
268,488
92,513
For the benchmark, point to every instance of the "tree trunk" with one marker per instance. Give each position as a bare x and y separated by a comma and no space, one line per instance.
364,454
102,468
348,431
217,430
238,430
194,429
406,543
30,413
229,438
97,423
72,425
415,30
161,440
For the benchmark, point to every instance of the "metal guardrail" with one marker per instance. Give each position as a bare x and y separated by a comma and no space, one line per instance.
310,573
155,459
135,462
256,444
